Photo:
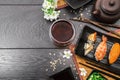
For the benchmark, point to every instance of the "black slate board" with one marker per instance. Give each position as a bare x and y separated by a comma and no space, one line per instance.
115,67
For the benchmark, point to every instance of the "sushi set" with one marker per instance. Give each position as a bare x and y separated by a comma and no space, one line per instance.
99,48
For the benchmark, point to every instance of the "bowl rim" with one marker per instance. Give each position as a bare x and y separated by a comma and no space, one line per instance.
61,42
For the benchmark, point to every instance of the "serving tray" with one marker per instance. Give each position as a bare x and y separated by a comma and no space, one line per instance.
79,50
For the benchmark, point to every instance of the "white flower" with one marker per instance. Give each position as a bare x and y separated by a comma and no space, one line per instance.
51,17
83,72
48,5
46,17
56,3
67,54
49,10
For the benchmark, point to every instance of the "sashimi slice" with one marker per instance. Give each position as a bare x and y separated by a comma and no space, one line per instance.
114,53
101,49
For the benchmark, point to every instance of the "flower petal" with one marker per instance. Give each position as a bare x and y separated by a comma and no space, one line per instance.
83,71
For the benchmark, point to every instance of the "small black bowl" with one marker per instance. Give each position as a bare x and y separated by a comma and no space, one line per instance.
77,3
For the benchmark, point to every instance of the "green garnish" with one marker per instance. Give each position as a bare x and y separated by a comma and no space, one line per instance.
50,11
96,76
48,7
51,1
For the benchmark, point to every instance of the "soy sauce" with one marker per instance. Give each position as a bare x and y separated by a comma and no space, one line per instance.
62,31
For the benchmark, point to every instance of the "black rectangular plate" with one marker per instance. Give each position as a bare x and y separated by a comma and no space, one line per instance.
77,3
115,67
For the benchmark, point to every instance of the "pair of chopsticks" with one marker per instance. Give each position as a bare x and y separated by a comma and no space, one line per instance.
97,69
100,25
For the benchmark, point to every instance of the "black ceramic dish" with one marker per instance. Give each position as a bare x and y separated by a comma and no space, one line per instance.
77,3
63,75
115,67
96,72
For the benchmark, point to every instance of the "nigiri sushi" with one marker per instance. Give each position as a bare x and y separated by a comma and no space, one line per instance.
101,49
92,37
90,42
114,53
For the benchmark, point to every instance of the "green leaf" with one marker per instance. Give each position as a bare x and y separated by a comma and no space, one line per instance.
51,1
50,11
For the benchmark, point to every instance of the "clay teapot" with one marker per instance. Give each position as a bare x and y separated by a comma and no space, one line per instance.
107,11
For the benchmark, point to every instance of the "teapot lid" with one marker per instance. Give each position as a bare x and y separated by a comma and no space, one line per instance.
110,6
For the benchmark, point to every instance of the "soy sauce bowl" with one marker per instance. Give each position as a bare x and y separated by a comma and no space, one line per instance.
62,32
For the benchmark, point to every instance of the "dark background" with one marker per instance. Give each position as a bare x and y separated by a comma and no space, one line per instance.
25,45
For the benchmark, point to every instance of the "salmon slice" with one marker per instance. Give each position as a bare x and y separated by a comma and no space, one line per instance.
114,53
101,49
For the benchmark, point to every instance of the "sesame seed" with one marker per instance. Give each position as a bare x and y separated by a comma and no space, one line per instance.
64,64
76,77
74,68
64,14
50,54
46,70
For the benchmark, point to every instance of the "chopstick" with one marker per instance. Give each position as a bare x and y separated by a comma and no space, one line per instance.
82,19
99,70
103,27
110,25
104,24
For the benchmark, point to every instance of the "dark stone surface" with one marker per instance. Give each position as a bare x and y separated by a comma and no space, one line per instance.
6,2
25,27
32,64
22,26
